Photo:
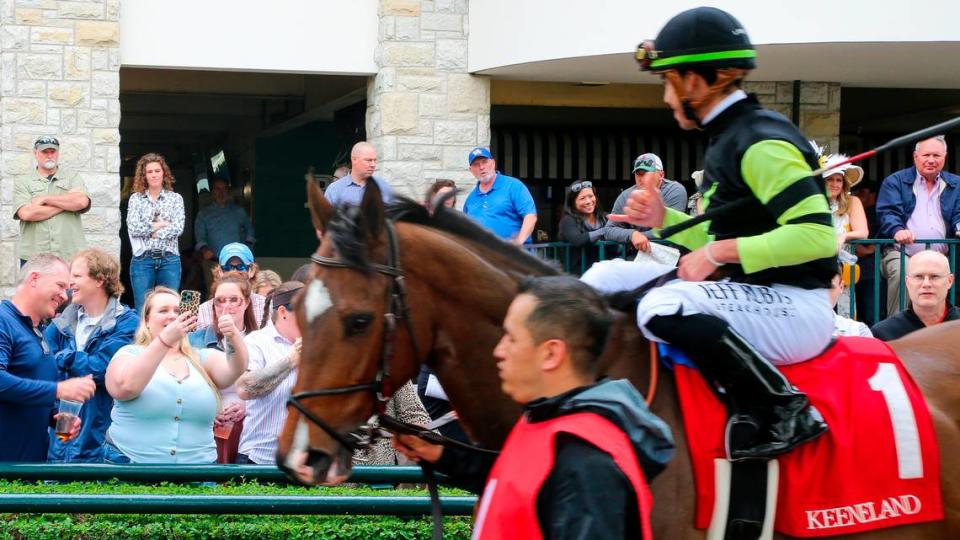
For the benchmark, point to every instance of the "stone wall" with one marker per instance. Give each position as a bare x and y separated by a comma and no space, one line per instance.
424,111
819,107
60,76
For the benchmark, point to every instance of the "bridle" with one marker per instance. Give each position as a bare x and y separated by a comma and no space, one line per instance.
398,310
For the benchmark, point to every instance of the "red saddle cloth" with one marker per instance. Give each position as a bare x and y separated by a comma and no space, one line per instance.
878,465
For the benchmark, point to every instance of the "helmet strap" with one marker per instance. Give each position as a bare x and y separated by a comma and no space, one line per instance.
675,79
726,77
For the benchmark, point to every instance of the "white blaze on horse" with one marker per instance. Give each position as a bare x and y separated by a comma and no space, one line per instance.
456,281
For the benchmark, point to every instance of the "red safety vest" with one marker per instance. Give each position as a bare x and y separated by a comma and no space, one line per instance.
508,508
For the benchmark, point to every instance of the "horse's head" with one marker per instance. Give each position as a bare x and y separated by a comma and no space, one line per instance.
357,344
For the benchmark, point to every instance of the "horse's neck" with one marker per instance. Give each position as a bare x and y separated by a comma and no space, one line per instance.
465,299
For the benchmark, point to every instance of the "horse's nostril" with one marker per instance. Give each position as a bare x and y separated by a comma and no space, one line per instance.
318,459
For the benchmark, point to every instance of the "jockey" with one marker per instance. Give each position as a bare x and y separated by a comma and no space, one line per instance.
777,253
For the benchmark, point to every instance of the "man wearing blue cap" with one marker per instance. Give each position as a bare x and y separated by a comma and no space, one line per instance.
235,257
500,203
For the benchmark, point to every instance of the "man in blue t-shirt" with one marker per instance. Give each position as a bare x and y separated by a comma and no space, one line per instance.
500,203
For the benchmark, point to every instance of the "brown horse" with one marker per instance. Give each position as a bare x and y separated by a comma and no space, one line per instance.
459,281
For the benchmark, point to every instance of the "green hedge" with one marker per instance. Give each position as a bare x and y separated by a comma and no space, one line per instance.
124,526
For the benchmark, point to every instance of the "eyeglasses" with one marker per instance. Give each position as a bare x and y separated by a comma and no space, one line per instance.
228,300
935,279
239,267
579,186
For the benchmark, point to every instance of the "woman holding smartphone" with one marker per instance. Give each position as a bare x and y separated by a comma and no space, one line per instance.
166,392
155,222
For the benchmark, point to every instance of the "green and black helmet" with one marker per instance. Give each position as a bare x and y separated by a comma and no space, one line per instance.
701,37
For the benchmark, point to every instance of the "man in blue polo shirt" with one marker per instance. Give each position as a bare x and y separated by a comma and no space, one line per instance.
498,202
350,188
28,372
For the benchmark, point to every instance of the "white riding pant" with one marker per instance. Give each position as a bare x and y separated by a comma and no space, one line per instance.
785,324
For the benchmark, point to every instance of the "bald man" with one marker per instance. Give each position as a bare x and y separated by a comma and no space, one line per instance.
928,283
350,188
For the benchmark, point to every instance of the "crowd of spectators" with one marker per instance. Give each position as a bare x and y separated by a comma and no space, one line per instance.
165,385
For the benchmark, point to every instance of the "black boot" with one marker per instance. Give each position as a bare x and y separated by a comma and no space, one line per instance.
770,416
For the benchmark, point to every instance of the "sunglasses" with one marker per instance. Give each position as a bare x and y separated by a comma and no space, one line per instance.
46,139
579,186
239,267
228,300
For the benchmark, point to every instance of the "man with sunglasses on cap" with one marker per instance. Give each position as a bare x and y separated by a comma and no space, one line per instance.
48,204
235,257
778,248
646,168
500,203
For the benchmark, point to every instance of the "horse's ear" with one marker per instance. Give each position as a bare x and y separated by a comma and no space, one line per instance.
371,210
320,208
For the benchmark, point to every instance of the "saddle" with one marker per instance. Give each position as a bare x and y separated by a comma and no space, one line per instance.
877,466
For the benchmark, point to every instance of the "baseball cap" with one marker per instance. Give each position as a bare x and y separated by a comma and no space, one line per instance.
46,141
236,249
647,162
478,152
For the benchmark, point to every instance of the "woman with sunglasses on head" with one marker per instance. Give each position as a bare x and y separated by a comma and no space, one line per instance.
231,296
155,219
583,224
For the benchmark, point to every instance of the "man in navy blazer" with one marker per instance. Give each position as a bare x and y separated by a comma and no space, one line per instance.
921,202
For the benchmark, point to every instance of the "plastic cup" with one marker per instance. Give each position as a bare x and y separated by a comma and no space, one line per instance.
68,412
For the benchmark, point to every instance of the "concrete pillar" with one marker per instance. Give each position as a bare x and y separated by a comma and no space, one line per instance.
819,107
424,111
60,74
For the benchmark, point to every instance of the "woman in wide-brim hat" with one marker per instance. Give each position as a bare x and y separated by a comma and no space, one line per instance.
849,217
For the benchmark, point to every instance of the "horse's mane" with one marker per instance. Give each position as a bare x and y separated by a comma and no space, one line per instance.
349,235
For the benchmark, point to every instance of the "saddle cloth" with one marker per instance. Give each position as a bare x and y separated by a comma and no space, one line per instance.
877,466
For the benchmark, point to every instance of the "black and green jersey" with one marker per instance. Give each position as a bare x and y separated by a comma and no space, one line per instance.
785,234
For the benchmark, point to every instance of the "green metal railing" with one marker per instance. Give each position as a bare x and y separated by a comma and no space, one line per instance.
564,254
219,504
85,472
214,504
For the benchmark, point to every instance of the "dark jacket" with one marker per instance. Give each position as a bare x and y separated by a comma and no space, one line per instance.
115,329
896,202
586,493
576,231
905,322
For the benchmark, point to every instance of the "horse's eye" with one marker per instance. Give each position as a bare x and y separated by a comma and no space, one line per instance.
357,324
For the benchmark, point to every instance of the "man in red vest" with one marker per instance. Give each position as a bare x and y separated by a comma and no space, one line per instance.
576,463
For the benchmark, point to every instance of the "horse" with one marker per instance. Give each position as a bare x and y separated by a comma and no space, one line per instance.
399,286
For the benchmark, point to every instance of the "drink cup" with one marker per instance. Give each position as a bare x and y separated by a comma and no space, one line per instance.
69,411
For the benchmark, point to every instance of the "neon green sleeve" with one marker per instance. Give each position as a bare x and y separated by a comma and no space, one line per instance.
779,176
692,238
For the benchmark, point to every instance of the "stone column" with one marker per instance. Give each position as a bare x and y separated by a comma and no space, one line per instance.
424,110
819,108
60,76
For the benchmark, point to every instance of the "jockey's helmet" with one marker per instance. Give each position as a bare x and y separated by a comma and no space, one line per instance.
702,37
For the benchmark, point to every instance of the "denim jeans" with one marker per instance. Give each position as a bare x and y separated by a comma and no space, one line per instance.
147,272
113,456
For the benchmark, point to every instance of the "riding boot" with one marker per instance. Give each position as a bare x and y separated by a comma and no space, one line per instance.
770,416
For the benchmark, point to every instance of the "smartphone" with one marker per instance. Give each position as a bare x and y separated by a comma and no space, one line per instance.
190,302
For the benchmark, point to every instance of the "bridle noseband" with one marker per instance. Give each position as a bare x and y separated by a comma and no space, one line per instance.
396,296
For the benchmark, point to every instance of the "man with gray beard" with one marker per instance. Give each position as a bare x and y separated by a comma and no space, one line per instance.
48,204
